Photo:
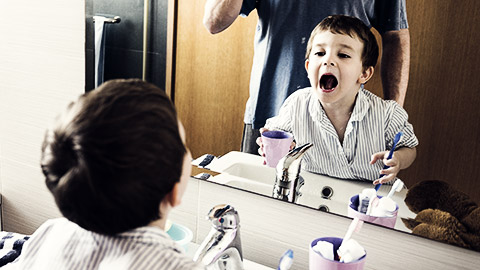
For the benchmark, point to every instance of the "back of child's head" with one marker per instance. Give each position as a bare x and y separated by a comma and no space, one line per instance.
353,27
113,155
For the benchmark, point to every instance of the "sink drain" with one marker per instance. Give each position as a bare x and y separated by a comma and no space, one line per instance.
327,192
324,208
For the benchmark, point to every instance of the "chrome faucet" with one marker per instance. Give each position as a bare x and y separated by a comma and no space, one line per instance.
222,249
288,180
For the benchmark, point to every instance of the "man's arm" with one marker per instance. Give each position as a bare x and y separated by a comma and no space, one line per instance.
395,64
220,14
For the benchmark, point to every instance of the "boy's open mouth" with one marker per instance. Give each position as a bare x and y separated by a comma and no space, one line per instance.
328,82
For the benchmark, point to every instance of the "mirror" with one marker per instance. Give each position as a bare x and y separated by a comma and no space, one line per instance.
210,76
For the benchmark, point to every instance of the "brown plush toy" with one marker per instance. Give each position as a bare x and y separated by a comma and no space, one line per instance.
444,214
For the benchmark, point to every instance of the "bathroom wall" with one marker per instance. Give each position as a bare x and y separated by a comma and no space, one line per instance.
124,41
42,67
42,63
269,230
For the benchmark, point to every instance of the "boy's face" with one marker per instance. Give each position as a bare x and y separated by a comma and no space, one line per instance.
335,69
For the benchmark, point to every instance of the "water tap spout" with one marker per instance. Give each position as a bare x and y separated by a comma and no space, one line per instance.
288,180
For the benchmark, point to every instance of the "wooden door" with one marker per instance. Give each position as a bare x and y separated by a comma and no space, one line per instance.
443,98
211,79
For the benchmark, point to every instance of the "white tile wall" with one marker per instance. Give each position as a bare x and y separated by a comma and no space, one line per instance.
42,67
270,227
186,212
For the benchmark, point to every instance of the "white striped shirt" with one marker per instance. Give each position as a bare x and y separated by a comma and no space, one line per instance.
371,128
61,244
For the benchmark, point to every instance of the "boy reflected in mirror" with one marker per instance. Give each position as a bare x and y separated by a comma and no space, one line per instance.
351,129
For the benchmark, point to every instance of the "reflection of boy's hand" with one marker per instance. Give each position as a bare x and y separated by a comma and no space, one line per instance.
390,173
260,144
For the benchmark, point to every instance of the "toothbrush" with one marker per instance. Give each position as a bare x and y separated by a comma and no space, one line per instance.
372,204
354,226
397,187
390,155
286,260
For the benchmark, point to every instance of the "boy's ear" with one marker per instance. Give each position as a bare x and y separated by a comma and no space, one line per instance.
174,198
306,65
366,75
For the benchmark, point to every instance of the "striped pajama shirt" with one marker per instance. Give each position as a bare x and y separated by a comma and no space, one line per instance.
61,244
370,129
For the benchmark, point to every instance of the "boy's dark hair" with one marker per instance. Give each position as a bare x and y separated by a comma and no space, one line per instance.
113,155
354,27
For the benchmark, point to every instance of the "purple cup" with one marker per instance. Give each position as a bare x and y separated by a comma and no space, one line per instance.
276,144
388,222
317,261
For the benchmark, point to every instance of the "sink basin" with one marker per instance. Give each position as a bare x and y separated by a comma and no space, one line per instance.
247,172
258,173
247,264
244,171
243,183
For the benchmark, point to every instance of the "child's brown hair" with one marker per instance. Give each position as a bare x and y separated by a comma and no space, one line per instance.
353,27
113,155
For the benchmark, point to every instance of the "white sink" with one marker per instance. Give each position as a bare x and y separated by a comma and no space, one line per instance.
247,264
256,172
246,171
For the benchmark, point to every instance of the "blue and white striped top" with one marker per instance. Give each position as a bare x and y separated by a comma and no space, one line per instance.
61,244
371,129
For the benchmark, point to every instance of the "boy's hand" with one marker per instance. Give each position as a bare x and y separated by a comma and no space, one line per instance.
390,173
260,144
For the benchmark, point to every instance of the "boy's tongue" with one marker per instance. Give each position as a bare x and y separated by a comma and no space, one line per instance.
328,82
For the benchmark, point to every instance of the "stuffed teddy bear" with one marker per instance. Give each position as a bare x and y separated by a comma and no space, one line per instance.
444,214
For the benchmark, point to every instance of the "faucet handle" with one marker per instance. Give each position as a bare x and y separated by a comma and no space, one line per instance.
224,216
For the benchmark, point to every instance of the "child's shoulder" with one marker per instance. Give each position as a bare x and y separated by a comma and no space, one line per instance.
299,99
300,95
304,92
371,96
390,108
377,101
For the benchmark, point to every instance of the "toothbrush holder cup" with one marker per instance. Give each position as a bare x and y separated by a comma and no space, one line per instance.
317,261
388,222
